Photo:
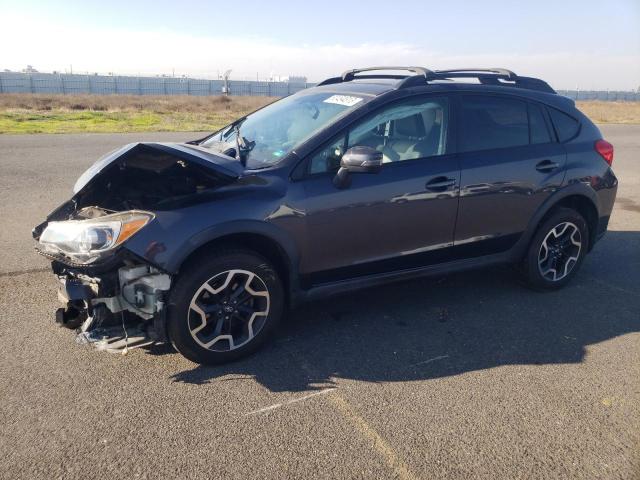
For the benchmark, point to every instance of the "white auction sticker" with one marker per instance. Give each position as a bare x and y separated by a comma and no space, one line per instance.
346,100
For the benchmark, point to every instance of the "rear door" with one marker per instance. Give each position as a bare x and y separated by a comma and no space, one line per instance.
510,164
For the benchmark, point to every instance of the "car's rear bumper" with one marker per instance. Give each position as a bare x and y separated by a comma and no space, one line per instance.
606,197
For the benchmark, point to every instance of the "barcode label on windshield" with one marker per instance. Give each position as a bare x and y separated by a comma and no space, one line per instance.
346,100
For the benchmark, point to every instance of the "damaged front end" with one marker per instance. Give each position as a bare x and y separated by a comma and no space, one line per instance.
114,298
115,310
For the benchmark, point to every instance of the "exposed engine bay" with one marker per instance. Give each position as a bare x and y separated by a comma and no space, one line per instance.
148,178
148,181
112,298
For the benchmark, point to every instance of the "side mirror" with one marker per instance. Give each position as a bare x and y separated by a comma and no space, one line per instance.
357,160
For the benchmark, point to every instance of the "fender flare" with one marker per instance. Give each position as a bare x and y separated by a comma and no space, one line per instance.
576,189
251,227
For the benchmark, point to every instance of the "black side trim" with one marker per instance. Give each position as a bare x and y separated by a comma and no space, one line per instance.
345,286
416,260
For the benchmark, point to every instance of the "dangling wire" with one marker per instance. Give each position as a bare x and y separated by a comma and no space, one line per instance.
126,335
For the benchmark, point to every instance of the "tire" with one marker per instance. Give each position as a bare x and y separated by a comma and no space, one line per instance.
559,234
224,307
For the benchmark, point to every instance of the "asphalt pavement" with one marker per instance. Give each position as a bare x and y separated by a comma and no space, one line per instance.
464,376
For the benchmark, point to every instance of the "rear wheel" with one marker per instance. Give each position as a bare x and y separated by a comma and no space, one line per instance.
556,250
224,307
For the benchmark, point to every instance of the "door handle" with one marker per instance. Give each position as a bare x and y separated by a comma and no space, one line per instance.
546,166
440,184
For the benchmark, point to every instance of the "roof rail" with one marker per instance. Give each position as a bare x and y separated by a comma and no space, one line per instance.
349,75
486,76
475,72
495,76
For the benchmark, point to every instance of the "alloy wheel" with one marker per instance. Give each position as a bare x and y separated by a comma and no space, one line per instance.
228,310
560,251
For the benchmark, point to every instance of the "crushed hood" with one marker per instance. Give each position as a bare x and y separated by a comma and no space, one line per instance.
223,166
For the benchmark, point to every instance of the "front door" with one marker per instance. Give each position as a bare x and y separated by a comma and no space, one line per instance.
402,217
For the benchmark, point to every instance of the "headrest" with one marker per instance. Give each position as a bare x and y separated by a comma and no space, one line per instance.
411,126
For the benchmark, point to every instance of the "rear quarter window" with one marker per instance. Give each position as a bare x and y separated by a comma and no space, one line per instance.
537,126
566,126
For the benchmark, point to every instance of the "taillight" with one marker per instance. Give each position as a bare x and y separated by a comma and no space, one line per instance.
605,149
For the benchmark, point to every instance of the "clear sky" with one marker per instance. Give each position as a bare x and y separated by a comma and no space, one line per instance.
585,44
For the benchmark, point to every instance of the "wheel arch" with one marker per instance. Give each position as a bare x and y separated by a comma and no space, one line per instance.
265,240
585,207
577,197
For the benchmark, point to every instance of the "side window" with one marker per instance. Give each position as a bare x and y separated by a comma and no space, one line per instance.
566,126
489,122
406,130
328,159
537,126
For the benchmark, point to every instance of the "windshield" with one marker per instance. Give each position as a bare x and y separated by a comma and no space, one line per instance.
270,133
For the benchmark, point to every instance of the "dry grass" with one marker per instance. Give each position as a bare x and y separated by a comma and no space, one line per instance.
151,103
611,112
38,113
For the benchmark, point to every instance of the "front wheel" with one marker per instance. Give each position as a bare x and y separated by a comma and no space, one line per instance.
224,307
556,250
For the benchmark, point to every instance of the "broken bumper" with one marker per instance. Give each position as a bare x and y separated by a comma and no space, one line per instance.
115,310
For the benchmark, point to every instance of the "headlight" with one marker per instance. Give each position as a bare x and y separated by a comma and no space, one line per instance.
84,241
